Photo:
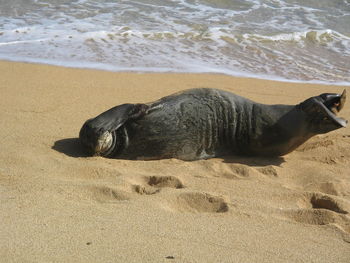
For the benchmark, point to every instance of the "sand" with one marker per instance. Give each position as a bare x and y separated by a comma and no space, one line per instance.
58,205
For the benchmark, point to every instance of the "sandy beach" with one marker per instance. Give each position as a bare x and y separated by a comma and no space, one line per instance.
59,205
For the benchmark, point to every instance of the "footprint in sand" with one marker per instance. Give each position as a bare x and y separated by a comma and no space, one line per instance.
322,209
268,170
316,143
155,183
235,171
322,201
240,171
200,202
332,188
183,202
107,194
145,190
165,181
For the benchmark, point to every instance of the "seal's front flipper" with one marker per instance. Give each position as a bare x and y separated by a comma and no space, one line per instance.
115,117
98,134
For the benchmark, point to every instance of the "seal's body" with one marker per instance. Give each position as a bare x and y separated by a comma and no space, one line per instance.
204,123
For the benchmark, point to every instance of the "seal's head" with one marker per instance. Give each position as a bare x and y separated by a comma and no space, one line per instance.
97,141
321,112
105,135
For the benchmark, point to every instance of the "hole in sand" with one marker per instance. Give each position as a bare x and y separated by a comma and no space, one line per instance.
326,202
201,202
144,190
165,181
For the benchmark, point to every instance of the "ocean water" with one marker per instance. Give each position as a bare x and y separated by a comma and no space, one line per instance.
292,40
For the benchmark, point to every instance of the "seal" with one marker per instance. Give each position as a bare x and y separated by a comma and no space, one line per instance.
204,123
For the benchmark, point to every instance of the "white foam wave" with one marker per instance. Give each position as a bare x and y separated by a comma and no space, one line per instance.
250,38
22,42
320,36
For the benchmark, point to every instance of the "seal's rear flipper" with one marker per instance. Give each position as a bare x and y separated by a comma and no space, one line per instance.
98,134
322,112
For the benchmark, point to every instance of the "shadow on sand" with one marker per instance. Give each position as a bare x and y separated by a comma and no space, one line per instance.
254,160
70,147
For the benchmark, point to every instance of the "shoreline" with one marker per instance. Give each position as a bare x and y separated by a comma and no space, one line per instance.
59,205
115,69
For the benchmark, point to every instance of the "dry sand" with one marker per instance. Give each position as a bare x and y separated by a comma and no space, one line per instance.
57,205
